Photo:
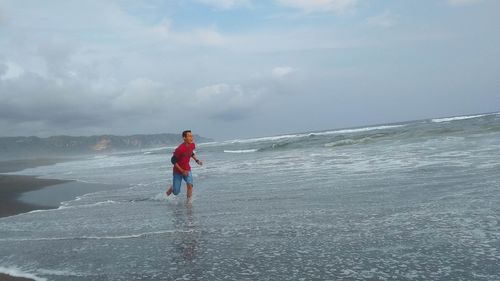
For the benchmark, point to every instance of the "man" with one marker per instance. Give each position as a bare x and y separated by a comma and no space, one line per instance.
182,170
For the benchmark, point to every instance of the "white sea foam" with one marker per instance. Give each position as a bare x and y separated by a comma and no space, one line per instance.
16,272
207,143
59,272
64,205
343,131
91,205
264,139
129,236
160,197
448,119
341,142
366,129
241,151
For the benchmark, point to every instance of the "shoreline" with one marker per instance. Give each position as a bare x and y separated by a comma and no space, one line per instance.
25,193
7,277
8,166
13,186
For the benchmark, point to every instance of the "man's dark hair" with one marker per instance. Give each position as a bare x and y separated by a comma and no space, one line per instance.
184,134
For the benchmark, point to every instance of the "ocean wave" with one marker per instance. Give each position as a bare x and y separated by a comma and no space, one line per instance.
241,151
312,134
346,142
449,119
358,130
16,272
264,139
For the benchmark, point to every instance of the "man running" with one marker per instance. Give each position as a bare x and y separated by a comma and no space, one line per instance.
182,170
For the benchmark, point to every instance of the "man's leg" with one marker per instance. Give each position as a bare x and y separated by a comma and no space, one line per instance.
189,185
189,191
176,185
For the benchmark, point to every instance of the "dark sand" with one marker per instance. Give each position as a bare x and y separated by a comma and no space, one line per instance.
21,194
12,186
18,165
5,277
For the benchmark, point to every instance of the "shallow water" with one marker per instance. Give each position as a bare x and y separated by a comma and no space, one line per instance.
408,201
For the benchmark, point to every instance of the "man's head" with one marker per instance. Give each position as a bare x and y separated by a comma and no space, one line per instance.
187,136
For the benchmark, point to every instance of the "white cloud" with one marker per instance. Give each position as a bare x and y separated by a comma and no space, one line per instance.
309,6
226,102
462,2
206,36
225,4
386,19
282,71
142,96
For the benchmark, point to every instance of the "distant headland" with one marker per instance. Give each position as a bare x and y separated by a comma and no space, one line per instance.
68,146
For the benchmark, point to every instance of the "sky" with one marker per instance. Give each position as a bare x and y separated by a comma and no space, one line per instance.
242,68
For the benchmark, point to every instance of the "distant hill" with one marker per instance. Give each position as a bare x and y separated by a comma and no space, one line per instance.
61,146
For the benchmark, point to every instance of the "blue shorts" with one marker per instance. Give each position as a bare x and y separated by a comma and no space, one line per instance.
176,186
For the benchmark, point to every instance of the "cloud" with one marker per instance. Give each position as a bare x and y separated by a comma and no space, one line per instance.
386,19
142,96
282,71
225,102
32,97
462,2
54,105
3,70
200,36
310,6
10,70
57,55
3,20
225,4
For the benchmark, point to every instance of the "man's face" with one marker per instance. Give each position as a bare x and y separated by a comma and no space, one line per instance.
188,138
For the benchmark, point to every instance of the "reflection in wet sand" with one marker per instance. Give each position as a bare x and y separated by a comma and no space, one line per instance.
185,242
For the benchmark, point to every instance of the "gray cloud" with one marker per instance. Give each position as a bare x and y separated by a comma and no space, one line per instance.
225,102
133,69
3,69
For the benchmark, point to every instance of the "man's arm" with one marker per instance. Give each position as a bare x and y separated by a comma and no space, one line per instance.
196,159
179,168
174,160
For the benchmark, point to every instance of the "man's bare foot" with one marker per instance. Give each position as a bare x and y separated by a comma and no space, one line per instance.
169,191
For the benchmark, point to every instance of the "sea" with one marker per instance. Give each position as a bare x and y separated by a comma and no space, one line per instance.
415,200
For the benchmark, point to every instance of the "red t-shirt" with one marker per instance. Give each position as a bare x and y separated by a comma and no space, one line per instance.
183,154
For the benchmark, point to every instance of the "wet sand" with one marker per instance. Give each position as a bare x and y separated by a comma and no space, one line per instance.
12,186
18,165
5,277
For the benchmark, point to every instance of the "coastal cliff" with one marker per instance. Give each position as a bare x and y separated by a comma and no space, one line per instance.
33,147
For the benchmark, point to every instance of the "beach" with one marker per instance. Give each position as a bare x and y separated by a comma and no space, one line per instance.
15,187
406,201
12,186
5,277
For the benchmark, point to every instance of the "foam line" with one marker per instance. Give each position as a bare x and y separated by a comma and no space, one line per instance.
449,119
131,236
16,272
